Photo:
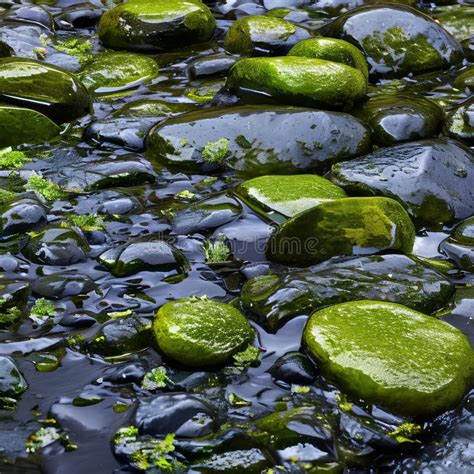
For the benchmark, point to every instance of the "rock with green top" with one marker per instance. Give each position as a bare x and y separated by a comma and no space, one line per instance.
263,36
459,246
385,353
297,81
331,49
395,118
459,123
48,89
151,25
13,131
110,73
465,80
397,40
433,179
348,226
198,332
288,195
458,19
243,139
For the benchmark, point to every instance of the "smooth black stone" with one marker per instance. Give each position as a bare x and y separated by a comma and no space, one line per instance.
293,368
61,285
12,383
79,320
211,66
21,217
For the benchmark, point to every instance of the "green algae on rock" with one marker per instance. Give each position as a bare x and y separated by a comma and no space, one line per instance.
13,131
199,332
459,124
332,49
263,36
298,81
348,226
47,89
245,140
397,39
387,354
148,25
114,72
465,80
288,195
458,19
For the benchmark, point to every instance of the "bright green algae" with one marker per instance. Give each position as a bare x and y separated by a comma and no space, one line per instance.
350,226
288,195
199,332
385,353
299,81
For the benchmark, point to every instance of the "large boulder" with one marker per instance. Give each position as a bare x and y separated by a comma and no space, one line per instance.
385,353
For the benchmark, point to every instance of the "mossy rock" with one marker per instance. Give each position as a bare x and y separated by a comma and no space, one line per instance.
151,25
113,72
263,36
298,81
456,19
465,80
397,39
384,353
332,49
349,226
47,89
19,125
395,118
288,195
433,179
459,123
198,332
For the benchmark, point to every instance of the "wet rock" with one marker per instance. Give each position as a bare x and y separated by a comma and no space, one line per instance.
293,368
79,320
35,14
185,415
56,246
396,40
459,246
331,49
48,89
263,36
297,81
459,123
433,179
277,298
243,139
160,26
24,40
62,285
13,299
465,80
149,253
109,73
12,383
419,366
211,65
395,118
458,20
252,461
21,217
468,48
198,332
81,15
288,195
349,226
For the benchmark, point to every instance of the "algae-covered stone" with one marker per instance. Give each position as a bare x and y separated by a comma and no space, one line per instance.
397,40
147,24
275,299
458,20
465,80
396,118
263,36
332,49
113,72
48,89
20,125
199,332
298,81
433,179
288,195
243,139
349,226
385,353
459,123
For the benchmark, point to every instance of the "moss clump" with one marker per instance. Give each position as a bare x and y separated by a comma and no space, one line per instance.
216,252
42,310
12,159
249,357
78,47
216,152
86,222
6,197
407,433
45,188
156,378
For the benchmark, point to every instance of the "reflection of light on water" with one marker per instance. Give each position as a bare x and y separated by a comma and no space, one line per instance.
427,245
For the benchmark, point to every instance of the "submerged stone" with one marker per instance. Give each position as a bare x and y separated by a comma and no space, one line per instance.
211,65
459,124
332,49
395,118
349,226
298,81
397,39
109,73
243,139
198,332
288,195
385,353
274,299
263,36
433,179
21,217
459,246
48,89
148,25
62,285
465,80
12,383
